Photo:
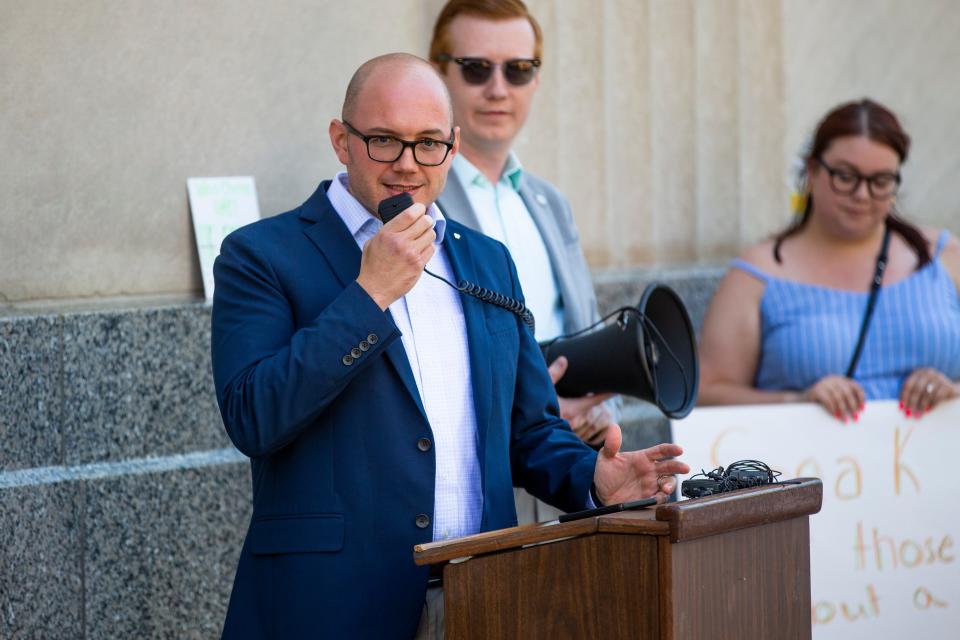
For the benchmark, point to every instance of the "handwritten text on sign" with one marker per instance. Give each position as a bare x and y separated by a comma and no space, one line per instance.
883,549
219,206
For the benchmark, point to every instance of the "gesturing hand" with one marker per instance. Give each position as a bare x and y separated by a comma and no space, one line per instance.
634,475
840,396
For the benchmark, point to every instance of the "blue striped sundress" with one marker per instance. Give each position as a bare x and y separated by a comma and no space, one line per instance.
809,331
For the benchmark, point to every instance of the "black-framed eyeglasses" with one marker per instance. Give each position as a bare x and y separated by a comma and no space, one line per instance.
384,148
846,182
517,71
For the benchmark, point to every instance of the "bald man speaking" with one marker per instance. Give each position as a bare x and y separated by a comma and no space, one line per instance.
381,408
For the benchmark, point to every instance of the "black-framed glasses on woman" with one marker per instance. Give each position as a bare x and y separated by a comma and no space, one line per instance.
383,148
846,182
518,71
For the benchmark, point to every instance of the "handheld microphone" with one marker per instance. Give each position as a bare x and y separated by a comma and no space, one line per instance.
390,208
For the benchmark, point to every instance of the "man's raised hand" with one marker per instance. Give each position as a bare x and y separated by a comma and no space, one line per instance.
622,476
393,260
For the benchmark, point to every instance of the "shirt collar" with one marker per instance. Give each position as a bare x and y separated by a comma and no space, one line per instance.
360,221
512,173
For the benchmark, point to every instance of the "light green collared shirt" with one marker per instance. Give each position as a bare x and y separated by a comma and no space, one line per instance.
503,215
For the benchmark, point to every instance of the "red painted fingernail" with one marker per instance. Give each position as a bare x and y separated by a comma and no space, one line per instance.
901,404
907,412
837,415
856,417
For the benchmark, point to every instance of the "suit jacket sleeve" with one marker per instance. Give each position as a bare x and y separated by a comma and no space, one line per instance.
273,379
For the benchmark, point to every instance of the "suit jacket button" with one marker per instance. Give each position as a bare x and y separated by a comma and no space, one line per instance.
424,444
364,345
347,360
356,353
423,521
372,338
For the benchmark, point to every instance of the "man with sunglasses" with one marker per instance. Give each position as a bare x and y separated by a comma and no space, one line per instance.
489,54
380,408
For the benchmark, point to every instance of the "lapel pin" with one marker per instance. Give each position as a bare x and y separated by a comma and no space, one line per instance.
542,199
456,236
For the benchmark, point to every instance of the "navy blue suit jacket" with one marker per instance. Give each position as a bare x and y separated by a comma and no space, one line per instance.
340,478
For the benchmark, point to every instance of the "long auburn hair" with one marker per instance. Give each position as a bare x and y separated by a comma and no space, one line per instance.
861,118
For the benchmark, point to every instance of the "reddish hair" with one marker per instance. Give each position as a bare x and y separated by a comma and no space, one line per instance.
489,9
861,118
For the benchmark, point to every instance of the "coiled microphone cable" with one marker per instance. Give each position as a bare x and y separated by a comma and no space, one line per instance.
491,297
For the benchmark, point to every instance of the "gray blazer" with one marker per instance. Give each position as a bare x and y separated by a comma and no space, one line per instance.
551,213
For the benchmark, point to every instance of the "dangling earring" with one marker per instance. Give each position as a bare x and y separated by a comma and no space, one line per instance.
800,196
798,202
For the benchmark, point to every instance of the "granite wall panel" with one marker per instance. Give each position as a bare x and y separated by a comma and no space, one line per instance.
30,392
138,383
41,573
162,550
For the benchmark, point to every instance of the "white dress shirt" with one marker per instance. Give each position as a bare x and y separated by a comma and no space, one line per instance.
434,336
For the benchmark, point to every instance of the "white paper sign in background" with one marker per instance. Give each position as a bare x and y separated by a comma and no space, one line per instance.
883,550
219,206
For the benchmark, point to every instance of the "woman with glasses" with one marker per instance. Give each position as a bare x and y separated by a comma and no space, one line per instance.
849,303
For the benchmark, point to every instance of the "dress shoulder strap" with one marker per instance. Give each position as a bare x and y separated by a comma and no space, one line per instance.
941,243
743,265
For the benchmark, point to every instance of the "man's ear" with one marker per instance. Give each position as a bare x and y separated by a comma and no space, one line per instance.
456,142
339,137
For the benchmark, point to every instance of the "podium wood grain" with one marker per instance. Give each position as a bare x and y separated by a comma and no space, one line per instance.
735,565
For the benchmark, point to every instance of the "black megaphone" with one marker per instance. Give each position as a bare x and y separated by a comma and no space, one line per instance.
649,353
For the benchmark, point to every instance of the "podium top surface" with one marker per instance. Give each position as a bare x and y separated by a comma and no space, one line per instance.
680,521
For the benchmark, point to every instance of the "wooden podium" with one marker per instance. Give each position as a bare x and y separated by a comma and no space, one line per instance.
730,566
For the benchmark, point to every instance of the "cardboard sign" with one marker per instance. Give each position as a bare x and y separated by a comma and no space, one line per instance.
884,548
218,206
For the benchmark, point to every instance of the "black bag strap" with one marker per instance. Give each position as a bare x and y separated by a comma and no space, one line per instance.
871,301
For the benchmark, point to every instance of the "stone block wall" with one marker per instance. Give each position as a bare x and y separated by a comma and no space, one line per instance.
122,503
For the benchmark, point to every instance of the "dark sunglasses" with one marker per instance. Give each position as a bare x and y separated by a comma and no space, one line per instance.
518,71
